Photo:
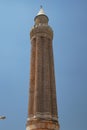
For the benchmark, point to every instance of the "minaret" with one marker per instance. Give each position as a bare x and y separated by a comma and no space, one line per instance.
42,107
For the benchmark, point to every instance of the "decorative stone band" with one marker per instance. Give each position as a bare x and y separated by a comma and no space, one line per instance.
45,116
46,125
42,30
40,35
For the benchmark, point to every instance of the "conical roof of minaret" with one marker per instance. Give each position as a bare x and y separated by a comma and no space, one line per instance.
41,12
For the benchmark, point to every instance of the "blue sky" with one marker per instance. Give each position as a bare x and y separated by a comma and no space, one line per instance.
68,19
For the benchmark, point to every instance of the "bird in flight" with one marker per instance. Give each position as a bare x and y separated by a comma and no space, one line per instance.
2,117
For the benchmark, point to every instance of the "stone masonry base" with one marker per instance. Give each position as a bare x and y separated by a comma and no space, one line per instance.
42,125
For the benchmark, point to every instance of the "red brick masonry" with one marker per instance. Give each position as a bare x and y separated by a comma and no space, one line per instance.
42,107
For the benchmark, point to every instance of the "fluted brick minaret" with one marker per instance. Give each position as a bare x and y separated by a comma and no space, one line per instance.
42,108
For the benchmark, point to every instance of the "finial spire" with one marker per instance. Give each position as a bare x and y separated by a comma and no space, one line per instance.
41,11
41,6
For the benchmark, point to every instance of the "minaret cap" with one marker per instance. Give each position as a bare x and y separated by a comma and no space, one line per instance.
41,12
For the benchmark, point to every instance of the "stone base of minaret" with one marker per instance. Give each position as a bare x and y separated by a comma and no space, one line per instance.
39,124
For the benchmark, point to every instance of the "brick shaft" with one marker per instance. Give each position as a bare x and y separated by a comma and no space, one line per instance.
42,107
